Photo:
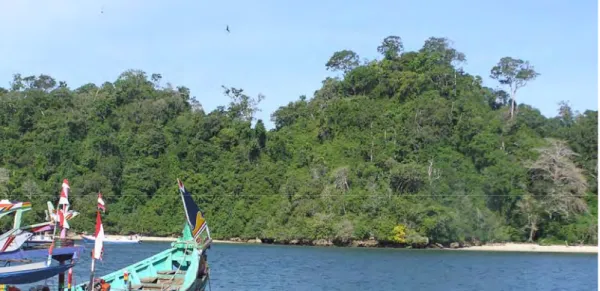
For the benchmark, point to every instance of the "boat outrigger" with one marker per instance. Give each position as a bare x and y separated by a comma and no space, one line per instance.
14,239
30,272
13,250
183,267
54,258
41,234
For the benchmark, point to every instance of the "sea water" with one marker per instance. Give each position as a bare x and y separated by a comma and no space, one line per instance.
270,267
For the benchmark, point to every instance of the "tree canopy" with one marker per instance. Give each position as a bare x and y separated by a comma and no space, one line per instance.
407,149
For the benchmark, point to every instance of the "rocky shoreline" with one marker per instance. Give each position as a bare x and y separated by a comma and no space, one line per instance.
474,246
306,242
372,243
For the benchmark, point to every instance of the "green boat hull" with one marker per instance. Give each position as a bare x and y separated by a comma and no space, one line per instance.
177,268
183,267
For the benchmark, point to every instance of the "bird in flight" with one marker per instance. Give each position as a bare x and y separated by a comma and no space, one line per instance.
227,29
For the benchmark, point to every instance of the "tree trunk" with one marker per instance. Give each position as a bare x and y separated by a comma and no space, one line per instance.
531,233
512,108
454,83
513,95
344,202
532,228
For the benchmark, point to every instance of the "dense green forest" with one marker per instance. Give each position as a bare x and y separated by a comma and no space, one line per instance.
406,149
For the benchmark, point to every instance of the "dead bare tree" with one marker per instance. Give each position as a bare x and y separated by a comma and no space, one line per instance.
433,173
340,176
31,189
565,182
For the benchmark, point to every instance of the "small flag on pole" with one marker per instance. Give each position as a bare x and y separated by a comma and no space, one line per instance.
99,237
62,220
98,250
101,204
64,193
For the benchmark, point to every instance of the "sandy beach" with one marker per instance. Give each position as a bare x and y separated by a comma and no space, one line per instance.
522,247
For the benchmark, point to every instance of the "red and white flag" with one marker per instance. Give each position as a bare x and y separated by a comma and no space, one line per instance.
101,204
99,238
62,220
64,193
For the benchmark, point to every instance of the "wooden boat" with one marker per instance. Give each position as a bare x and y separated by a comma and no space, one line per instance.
19,268
15,238
19,238
31,272
40,235
90,239
54,257
59,251
183,267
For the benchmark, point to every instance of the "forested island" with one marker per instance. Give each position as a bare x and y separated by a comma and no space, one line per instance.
407,150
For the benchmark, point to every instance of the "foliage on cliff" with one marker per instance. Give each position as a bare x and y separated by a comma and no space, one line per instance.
410,139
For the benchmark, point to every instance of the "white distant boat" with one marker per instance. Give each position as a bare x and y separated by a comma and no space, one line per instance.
132,239
40,238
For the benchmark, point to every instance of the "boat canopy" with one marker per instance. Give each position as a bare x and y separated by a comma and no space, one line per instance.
30,273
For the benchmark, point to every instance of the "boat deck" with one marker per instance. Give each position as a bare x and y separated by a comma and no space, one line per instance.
164,281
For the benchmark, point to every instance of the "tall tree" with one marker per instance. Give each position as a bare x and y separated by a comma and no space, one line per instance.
530,209
44,82
391,47
261,133
514,73
242,106
345,61
440,48
567,117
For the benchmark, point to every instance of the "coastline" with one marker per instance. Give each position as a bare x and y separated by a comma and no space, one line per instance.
497,247
153,238
533,248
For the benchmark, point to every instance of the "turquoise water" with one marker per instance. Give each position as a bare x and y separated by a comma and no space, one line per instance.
268,267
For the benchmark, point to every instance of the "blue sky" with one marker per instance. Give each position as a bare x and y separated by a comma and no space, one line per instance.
279,48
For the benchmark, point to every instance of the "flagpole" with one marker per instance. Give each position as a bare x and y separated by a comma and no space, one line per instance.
91,284
93,267
63,236
97,236
49,261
